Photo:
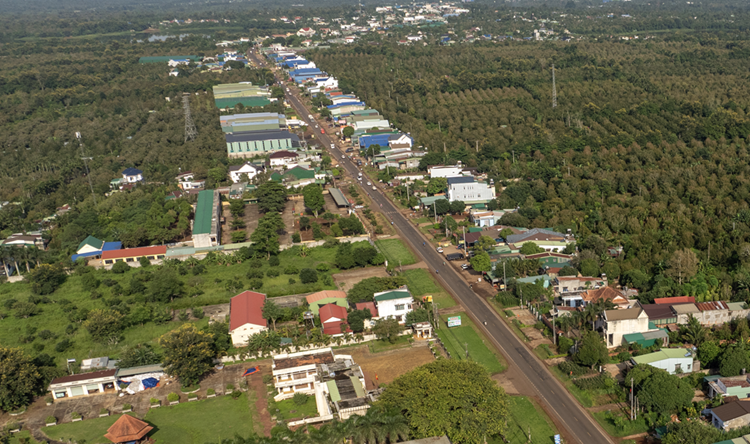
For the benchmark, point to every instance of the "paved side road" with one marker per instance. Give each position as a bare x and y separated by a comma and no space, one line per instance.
579,424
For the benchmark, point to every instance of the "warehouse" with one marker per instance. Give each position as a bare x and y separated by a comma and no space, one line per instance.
255,143
207,216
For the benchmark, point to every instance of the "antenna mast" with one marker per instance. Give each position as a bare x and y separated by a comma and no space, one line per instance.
554,88
190,132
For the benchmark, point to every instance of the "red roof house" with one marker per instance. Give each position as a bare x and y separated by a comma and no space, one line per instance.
675,300
132,255
332,316
246,316
370,306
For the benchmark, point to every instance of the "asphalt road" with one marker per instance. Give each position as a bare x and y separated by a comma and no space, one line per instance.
580,425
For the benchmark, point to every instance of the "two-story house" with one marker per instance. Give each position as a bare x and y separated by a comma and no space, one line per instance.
394,304
631,322
186,181
132,175
248,170
468,190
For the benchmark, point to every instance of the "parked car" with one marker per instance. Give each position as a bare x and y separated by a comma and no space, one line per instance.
465,266
322,131
369,184
343,157
454,256
359,178
374,188
349,150
439,249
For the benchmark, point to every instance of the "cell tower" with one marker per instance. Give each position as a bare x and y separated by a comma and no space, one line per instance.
554,88
190,132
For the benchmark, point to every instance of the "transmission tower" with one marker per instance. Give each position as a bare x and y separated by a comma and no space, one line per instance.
86,164
190,132
554,88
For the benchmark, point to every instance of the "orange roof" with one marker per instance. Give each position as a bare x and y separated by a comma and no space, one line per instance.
315,297
603,293
135,252
675,300
127,429
246,308
369,305
331,311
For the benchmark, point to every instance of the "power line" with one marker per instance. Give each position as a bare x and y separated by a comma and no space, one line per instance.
190,131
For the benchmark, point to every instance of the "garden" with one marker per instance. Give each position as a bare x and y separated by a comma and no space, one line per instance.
298,407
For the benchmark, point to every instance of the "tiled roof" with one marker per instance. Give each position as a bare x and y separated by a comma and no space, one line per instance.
127,429
732,410
675,300
619,315
282,155
370,306
135,252
246,308
603,293
330,311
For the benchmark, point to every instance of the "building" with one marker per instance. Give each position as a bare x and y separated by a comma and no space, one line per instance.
591,296
321,298
721,386
297,372
673,360
675,300
128,430
84,384
258,143
206,226
445,171
333,318
132,256
570,287
246,94
246,316
713,313
281,158
132,175
238,172
186,181
92,247
394,304
306,32
469,191
547,240
732,415
373,311
26,240
618,323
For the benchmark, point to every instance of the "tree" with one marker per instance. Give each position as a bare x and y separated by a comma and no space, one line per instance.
356,319
351,225
387,329
271,312
513,220
364,290
104,325
144,261
237,207
25,310
530,248
693,333
449,397
308,276
457,207
137,355
592,351
238,236
568,271
372,150
481,262
120,267
589,267
484,243
417,315
692,432
505,232
682,265
450,222
271,197
733,360
265,238
595,243
165,286
188,353
437,185
347,132
660,392
635,279
20,379
45,279
708,351
313,195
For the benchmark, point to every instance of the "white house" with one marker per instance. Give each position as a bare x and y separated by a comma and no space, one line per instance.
173,63
186,181
132,175
246,316
236,171
297,372
84,384
306,32
394,304
618,323
468,190
673,360
445,171
281,158
174,72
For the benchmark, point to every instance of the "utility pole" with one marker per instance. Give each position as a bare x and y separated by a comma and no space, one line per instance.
554,335
467,252
466,347
554,88
434,210
632,401
86,165
505,280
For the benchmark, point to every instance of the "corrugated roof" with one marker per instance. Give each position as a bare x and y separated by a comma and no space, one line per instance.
370,306
655,311
619,315
735,306
460,179
333,391
675,300
732,410
84,376
391,294
204,212
141,369
665,353
135,252
246,308
338,197
708,306
92,242
332,311
685,309
325,294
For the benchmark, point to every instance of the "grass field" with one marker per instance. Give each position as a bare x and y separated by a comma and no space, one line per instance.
381,346
16,332
90,430
395,251
421,283
16,438
584,397
288,410
525,416
457,338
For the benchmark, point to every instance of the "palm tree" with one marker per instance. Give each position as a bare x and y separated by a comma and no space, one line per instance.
394,427
5,257
693,333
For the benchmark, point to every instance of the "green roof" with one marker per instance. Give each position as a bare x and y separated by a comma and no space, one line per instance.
301,173
165,59
431,199
93,242
204,212
393,294
665,353
247,102
334,391
358,389
315,306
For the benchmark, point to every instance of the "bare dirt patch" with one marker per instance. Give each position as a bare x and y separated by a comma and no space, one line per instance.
217,313
333,208
346,280
389,365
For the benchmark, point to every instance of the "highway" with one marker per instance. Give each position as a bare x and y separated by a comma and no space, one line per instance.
579,424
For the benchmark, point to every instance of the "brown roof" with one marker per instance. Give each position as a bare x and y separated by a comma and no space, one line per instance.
84,376
732,410
325,294
622,314
658,311
675,300
127,429
298,361
735,382
708,306
370,306
603,293
246,308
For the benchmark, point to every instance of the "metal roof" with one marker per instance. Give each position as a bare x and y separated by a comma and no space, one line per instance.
204,212
260,135
665,353
338,197
141,369
460,179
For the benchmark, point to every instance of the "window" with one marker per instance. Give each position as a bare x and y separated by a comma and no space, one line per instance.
130,259
399,307
678,368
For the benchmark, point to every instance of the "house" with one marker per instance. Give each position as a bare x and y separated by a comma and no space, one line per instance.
724,387
660,315
206,226
281,158
306,32
26,240
132,256
602,294
551,260
333,320
295,177
84,384
731,415
673,360
484,218
321,298
570,287
373,311
675,300
622,322
92,247
297,372
445,171
246,316
683,312
468,190
394,304
128,429
237,172
548,240
186,181
132,175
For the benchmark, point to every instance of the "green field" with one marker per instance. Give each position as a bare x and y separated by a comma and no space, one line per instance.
456,339
381,346
16,437
525,416
421,283
288,410
187,423
15,332
396,252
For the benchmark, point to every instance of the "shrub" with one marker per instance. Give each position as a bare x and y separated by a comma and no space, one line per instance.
567,367
46,334
598,382
210,391
296,238
308,276
299,399
120,267
292,281
274,261
95,294
255,264
13,425
51,420
255,284
255,273
154,401
236,394
230,387
75,415
198,313
63,345
192,395
172,397
273,272
267,379
103,411
49,400
507,299
127,406
323,267
291,269
183,316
